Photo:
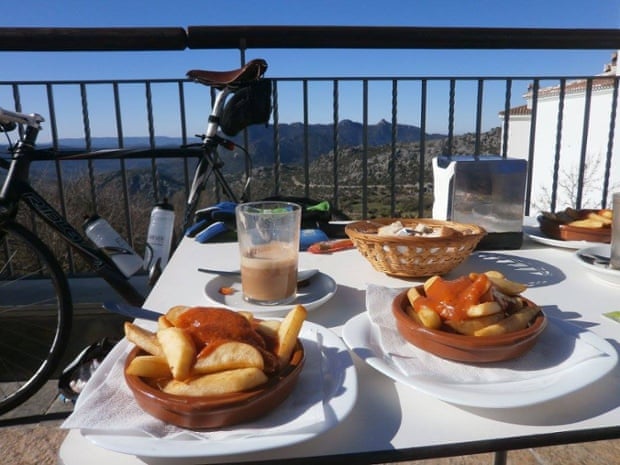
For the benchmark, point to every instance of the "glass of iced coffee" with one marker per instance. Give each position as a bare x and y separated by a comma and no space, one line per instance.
268,233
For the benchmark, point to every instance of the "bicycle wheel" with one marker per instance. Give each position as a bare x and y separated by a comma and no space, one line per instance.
35,314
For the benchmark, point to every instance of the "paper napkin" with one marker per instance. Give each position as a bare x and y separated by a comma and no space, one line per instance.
107,405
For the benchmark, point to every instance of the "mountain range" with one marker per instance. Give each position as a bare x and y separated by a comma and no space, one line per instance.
261,142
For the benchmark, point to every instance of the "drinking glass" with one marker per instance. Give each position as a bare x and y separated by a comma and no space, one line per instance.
268,233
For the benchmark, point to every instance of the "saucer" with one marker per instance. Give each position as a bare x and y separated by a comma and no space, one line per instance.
600,272
319,290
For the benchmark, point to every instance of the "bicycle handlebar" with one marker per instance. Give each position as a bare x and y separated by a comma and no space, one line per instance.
33,119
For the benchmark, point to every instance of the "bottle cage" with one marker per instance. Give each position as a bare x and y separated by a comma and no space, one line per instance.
251,104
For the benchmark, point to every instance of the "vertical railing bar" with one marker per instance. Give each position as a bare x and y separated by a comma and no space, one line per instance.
276,139
306,136
392,163
584,144
558,144
246,136
85,117
335,144
151,130
88,142
610,142
18,107
422,157
451,116
20,128
118,117
478,117
120,140
531,144
183,116
365,149
215,189
507,99
182,112
59,184
17,104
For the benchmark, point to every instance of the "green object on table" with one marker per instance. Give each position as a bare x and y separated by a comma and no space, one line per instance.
321,206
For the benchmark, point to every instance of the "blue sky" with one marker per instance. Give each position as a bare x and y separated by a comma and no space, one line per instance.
439,13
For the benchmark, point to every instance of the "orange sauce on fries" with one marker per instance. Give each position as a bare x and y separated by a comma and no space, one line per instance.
452,298
210,327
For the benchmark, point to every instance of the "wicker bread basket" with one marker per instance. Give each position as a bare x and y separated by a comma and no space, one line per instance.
414,256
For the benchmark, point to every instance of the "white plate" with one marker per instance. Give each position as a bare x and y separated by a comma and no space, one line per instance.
319,290
362,338
602,272
339,396
537,235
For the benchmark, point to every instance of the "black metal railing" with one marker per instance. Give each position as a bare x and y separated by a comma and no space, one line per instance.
189,104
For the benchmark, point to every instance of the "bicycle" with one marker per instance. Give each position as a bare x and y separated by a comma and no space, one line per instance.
33,285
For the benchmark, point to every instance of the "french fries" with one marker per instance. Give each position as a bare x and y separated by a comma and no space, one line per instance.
223,382
179,350
515,322
230,355
149,366
424,315
591,219
288,331
479,305
143,338
182,360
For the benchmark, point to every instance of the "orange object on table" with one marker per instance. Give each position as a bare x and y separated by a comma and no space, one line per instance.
331,246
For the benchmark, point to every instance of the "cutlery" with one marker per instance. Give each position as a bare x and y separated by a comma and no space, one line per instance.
302,275
131,311
594,258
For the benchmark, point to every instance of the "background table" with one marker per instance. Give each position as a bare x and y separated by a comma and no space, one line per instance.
391,421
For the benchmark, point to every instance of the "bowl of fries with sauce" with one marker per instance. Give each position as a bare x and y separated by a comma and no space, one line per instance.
210,367
592,225
477,318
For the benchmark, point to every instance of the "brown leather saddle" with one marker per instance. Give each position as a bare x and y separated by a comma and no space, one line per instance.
252,71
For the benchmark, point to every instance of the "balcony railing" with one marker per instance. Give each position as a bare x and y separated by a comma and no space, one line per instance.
104,108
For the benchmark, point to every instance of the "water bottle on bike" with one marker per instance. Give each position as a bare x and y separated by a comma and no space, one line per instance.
109,241
159,237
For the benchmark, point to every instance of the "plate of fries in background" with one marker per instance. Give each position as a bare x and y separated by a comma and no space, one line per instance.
590,225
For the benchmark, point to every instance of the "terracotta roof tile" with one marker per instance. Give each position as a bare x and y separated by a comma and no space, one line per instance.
574,87
521,110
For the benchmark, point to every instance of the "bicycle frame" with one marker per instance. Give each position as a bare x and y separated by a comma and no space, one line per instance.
16,187
208,163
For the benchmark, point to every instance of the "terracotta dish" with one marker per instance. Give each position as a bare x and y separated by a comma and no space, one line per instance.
216,411
565,232
463,348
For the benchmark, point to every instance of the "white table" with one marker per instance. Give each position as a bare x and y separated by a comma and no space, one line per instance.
391,421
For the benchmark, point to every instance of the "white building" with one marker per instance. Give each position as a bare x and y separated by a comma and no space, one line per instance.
570,146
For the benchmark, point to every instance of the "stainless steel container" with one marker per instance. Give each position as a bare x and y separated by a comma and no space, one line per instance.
487,190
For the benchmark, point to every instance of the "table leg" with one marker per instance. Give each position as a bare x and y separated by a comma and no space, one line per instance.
500,457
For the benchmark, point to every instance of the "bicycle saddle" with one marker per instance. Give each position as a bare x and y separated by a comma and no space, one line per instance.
252,71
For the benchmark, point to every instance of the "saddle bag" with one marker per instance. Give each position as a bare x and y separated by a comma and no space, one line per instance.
249,105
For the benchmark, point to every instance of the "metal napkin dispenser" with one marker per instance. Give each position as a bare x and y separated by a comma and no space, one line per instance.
487,190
